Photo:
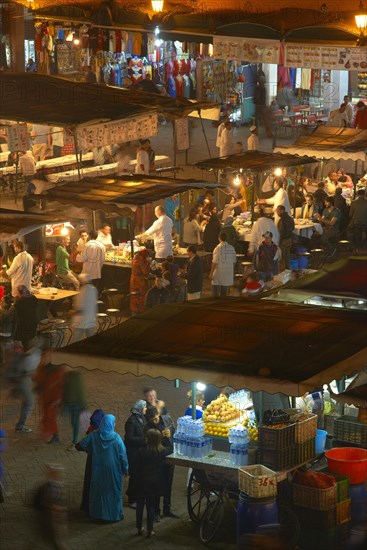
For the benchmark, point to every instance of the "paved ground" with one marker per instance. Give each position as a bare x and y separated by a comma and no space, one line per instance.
27,455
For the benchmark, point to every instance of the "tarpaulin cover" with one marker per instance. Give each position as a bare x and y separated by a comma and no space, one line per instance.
252,344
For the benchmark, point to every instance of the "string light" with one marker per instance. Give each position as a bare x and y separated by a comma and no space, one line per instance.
237,180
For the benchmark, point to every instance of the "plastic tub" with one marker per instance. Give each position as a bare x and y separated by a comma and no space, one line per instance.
293,263
348,461
320,441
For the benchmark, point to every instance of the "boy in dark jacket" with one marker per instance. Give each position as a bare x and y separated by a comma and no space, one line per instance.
266,256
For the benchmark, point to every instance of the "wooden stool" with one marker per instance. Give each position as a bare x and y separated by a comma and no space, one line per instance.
114,313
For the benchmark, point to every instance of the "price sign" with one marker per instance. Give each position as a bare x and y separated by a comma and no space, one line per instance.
18,138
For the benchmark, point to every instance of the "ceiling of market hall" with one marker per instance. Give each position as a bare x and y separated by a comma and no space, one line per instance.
279,14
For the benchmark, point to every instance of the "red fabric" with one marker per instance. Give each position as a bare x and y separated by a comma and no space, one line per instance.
51,385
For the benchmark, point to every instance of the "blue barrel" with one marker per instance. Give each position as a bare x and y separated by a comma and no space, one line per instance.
253,512
293,263
358,503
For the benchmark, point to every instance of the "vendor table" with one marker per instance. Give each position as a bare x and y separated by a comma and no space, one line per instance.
61,295
50,164
306,228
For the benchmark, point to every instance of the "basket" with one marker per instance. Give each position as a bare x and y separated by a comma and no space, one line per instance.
316,519
277,439
306,429
305,451
316,499
343,512
278,459
342,487
257,481
346,428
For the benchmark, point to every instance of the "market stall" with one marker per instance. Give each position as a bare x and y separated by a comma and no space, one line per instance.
275,348
346,146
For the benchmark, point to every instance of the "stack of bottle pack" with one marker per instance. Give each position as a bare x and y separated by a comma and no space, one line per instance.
190,440
238,438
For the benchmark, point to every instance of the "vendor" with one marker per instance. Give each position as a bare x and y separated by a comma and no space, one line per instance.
161,231
279,199
200,400
104,236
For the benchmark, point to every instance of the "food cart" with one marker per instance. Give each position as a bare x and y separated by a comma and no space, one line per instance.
268,349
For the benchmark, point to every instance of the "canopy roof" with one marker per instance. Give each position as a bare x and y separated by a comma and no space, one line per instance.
38,98
228,342
346,277
329,142
104,193
256,161
14,224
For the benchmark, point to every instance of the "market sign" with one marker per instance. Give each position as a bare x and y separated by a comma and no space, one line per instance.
314,56
246,49
121,131
18,138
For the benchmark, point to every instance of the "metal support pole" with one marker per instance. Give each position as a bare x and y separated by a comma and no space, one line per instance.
131,231
260,407
205,137
76,154
180,220
94,219
255,182
43,253
340,384
174,144
193,400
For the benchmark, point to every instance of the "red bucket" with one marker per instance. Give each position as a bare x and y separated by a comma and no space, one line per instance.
348,461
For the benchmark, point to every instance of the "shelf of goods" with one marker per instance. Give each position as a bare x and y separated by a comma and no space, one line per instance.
122,254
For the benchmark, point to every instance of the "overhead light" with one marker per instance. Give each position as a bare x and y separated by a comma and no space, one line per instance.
69,36
278,172
200,386
76,41
64,231
237,180
157,6
361,24
156,31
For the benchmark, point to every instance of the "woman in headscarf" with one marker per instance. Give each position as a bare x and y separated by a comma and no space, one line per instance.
109,465
134,440
139,281
95,421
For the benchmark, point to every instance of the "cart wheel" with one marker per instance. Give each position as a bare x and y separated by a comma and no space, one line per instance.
290,528
198,498
211,520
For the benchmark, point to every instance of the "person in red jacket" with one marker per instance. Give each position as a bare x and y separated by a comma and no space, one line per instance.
361,116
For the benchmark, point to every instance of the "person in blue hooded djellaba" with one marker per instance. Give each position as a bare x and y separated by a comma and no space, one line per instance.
109,465
95,421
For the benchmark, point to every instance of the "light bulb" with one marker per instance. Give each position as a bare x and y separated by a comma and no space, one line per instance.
237,180
200,386
278,172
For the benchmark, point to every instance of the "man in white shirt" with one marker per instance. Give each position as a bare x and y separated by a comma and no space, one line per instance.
104,236
27,164
280,198
220,130
222,270
349,111
161,231
339,117
142,159
41,140
226,141
253,143
20,271
92,257
260,227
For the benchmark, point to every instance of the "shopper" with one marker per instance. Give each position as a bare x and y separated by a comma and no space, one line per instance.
309,209
142,159
226,140
23,368
360,121
222,270
341,204
158,294
192,229
63,270
194,274
134,440
104,236
92,257
211,232
139,281
260,227
320,195
109,466
150,464
339,117
331,182
267,253
200,400
230,206
349,111
49,382
95,421
74,401
25,316
20,270
220,130
161,231
84,320
358,217
330,220
285,228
